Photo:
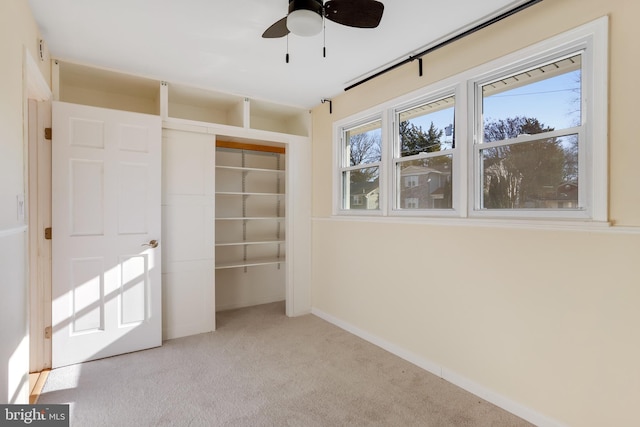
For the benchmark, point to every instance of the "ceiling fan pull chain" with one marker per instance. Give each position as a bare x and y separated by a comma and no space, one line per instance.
286,58
324,37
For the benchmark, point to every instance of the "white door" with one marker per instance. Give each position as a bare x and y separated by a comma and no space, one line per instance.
106,287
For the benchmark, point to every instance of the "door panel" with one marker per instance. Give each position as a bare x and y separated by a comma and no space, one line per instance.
106,209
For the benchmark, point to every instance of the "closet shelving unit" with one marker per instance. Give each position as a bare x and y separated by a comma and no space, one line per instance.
249,205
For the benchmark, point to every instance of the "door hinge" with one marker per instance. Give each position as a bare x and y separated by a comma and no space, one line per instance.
48,133
47,233
47,332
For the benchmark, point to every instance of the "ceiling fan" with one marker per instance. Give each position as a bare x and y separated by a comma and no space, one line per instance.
306,17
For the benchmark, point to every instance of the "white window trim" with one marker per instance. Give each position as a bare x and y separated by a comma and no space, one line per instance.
593,36
437,91
338,154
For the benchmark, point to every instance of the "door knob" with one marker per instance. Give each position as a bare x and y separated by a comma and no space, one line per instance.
152,244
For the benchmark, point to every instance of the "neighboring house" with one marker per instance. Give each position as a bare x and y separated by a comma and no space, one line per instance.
365,195
425,188
563,196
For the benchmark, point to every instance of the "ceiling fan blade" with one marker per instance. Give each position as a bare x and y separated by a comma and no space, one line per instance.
354,13
279,29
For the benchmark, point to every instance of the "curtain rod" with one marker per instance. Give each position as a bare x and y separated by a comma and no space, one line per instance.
448,41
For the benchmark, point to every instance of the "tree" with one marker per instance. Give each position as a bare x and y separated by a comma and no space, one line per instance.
521,175
364,148
414,140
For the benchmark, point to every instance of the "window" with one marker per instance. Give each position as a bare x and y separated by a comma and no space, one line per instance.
410,181
531,138
523,136
411,203
423,155
360,166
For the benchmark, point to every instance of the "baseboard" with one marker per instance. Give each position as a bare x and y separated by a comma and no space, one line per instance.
243,304
186,330
458,380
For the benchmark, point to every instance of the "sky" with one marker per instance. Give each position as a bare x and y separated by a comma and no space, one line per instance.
554,102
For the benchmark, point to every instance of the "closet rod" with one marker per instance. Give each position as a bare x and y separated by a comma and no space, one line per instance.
251,147
448,41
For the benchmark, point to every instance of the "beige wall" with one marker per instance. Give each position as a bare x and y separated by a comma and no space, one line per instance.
545,318
17,31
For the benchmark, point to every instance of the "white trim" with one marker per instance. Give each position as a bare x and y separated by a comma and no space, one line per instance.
513,223
454,378
55,80
598,90
500,401
387,345
228,131
12,231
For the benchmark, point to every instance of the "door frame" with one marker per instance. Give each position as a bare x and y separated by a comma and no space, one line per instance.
37,116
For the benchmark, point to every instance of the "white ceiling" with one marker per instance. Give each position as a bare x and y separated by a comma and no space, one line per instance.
218,45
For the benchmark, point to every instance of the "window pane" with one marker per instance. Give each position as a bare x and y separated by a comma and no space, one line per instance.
541,174
362,188
425,183
364,144
539,100
427,128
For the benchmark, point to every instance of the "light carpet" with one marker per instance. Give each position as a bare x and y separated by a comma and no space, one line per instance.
261,368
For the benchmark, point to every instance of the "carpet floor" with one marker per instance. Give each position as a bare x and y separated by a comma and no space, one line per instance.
261,368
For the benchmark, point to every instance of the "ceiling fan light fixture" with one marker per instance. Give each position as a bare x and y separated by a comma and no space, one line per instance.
304,22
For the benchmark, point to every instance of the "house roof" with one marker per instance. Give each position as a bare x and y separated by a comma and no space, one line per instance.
420,170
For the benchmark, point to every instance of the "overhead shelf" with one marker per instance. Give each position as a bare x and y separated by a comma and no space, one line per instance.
177,104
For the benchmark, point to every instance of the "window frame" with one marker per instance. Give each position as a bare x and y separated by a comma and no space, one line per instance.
342,162
438,92
590,38
585,173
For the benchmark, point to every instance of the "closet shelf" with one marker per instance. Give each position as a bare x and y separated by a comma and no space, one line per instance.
249,263
251,242
245,169
241,193
250,212
251,218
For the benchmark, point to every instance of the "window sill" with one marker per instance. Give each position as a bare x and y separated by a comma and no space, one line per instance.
540,224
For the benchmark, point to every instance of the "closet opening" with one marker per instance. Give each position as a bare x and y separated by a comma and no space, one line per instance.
250,224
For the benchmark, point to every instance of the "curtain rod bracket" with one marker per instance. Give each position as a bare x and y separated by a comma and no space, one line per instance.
323,100
413,58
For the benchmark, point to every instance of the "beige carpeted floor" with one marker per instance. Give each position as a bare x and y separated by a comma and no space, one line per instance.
261,368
